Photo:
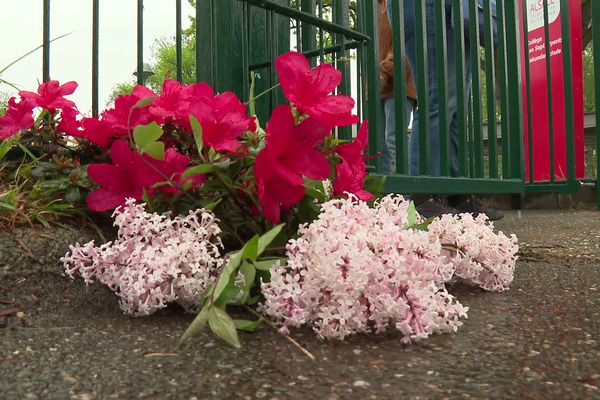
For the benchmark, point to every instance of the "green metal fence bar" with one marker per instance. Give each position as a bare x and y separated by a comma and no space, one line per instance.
341,17
490,87
476,89
471,136
308,32
400,87
422,87
46,42
461,92
140,42
503,90
530,148
95,55
373,98
513,74
596,48
200,30
549,91
321,34
568,85
442,87
178,41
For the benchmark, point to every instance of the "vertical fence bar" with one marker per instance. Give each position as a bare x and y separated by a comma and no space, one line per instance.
397,18
530,149
503,90
178,41
321,35
95,55
341,16
46,42
309,38
477,110
596,48
422,87
549,91
568,82
461,92
442,87
372,79
490,86
198,55
513,74
246,52
471,129
140,42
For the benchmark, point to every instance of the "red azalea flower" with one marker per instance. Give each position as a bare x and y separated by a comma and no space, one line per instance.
223,119
173,166
18,117
351,172
118,181
68,122
118,117
170,100
50,95
97,131
309,90
289,154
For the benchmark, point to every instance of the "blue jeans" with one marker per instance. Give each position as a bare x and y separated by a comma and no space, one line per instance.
388,141
433,103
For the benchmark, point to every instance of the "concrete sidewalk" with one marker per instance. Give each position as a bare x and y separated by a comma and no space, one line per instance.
539,340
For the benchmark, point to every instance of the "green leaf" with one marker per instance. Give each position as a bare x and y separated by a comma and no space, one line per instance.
211,206
266,265
234,261
251,248
145,138
73,195
155,150
228,294
246,325
197,129
411,215
198,170
265,240
197,324
249,273
223,326
145,102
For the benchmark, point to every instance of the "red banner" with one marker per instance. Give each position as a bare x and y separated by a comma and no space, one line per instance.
536,54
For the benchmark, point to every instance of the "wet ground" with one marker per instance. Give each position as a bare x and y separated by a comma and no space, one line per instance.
540,340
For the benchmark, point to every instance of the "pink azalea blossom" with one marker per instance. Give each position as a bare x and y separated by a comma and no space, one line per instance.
68,122
118,181
223,119
97,131
351,172
289,154
118,117
18,117
309,90
50,95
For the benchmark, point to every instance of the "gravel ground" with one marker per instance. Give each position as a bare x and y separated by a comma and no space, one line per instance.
537,341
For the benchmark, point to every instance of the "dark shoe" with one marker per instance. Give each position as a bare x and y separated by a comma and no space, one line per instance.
432,206
469,204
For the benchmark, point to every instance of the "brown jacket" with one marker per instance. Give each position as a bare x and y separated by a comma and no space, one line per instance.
386,58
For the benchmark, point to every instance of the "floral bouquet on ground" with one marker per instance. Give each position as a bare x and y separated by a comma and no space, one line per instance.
214,211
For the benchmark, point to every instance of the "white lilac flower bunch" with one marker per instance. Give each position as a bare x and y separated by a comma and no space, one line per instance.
155,260
480,255
358,269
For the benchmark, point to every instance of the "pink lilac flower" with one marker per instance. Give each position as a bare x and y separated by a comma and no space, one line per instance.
351,172
481,256
18,117
309,90
156,259
50,95
356,269
290,153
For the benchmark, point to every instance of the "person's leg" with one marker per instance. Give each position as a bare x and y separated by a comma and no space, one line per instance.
389,114
386,156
